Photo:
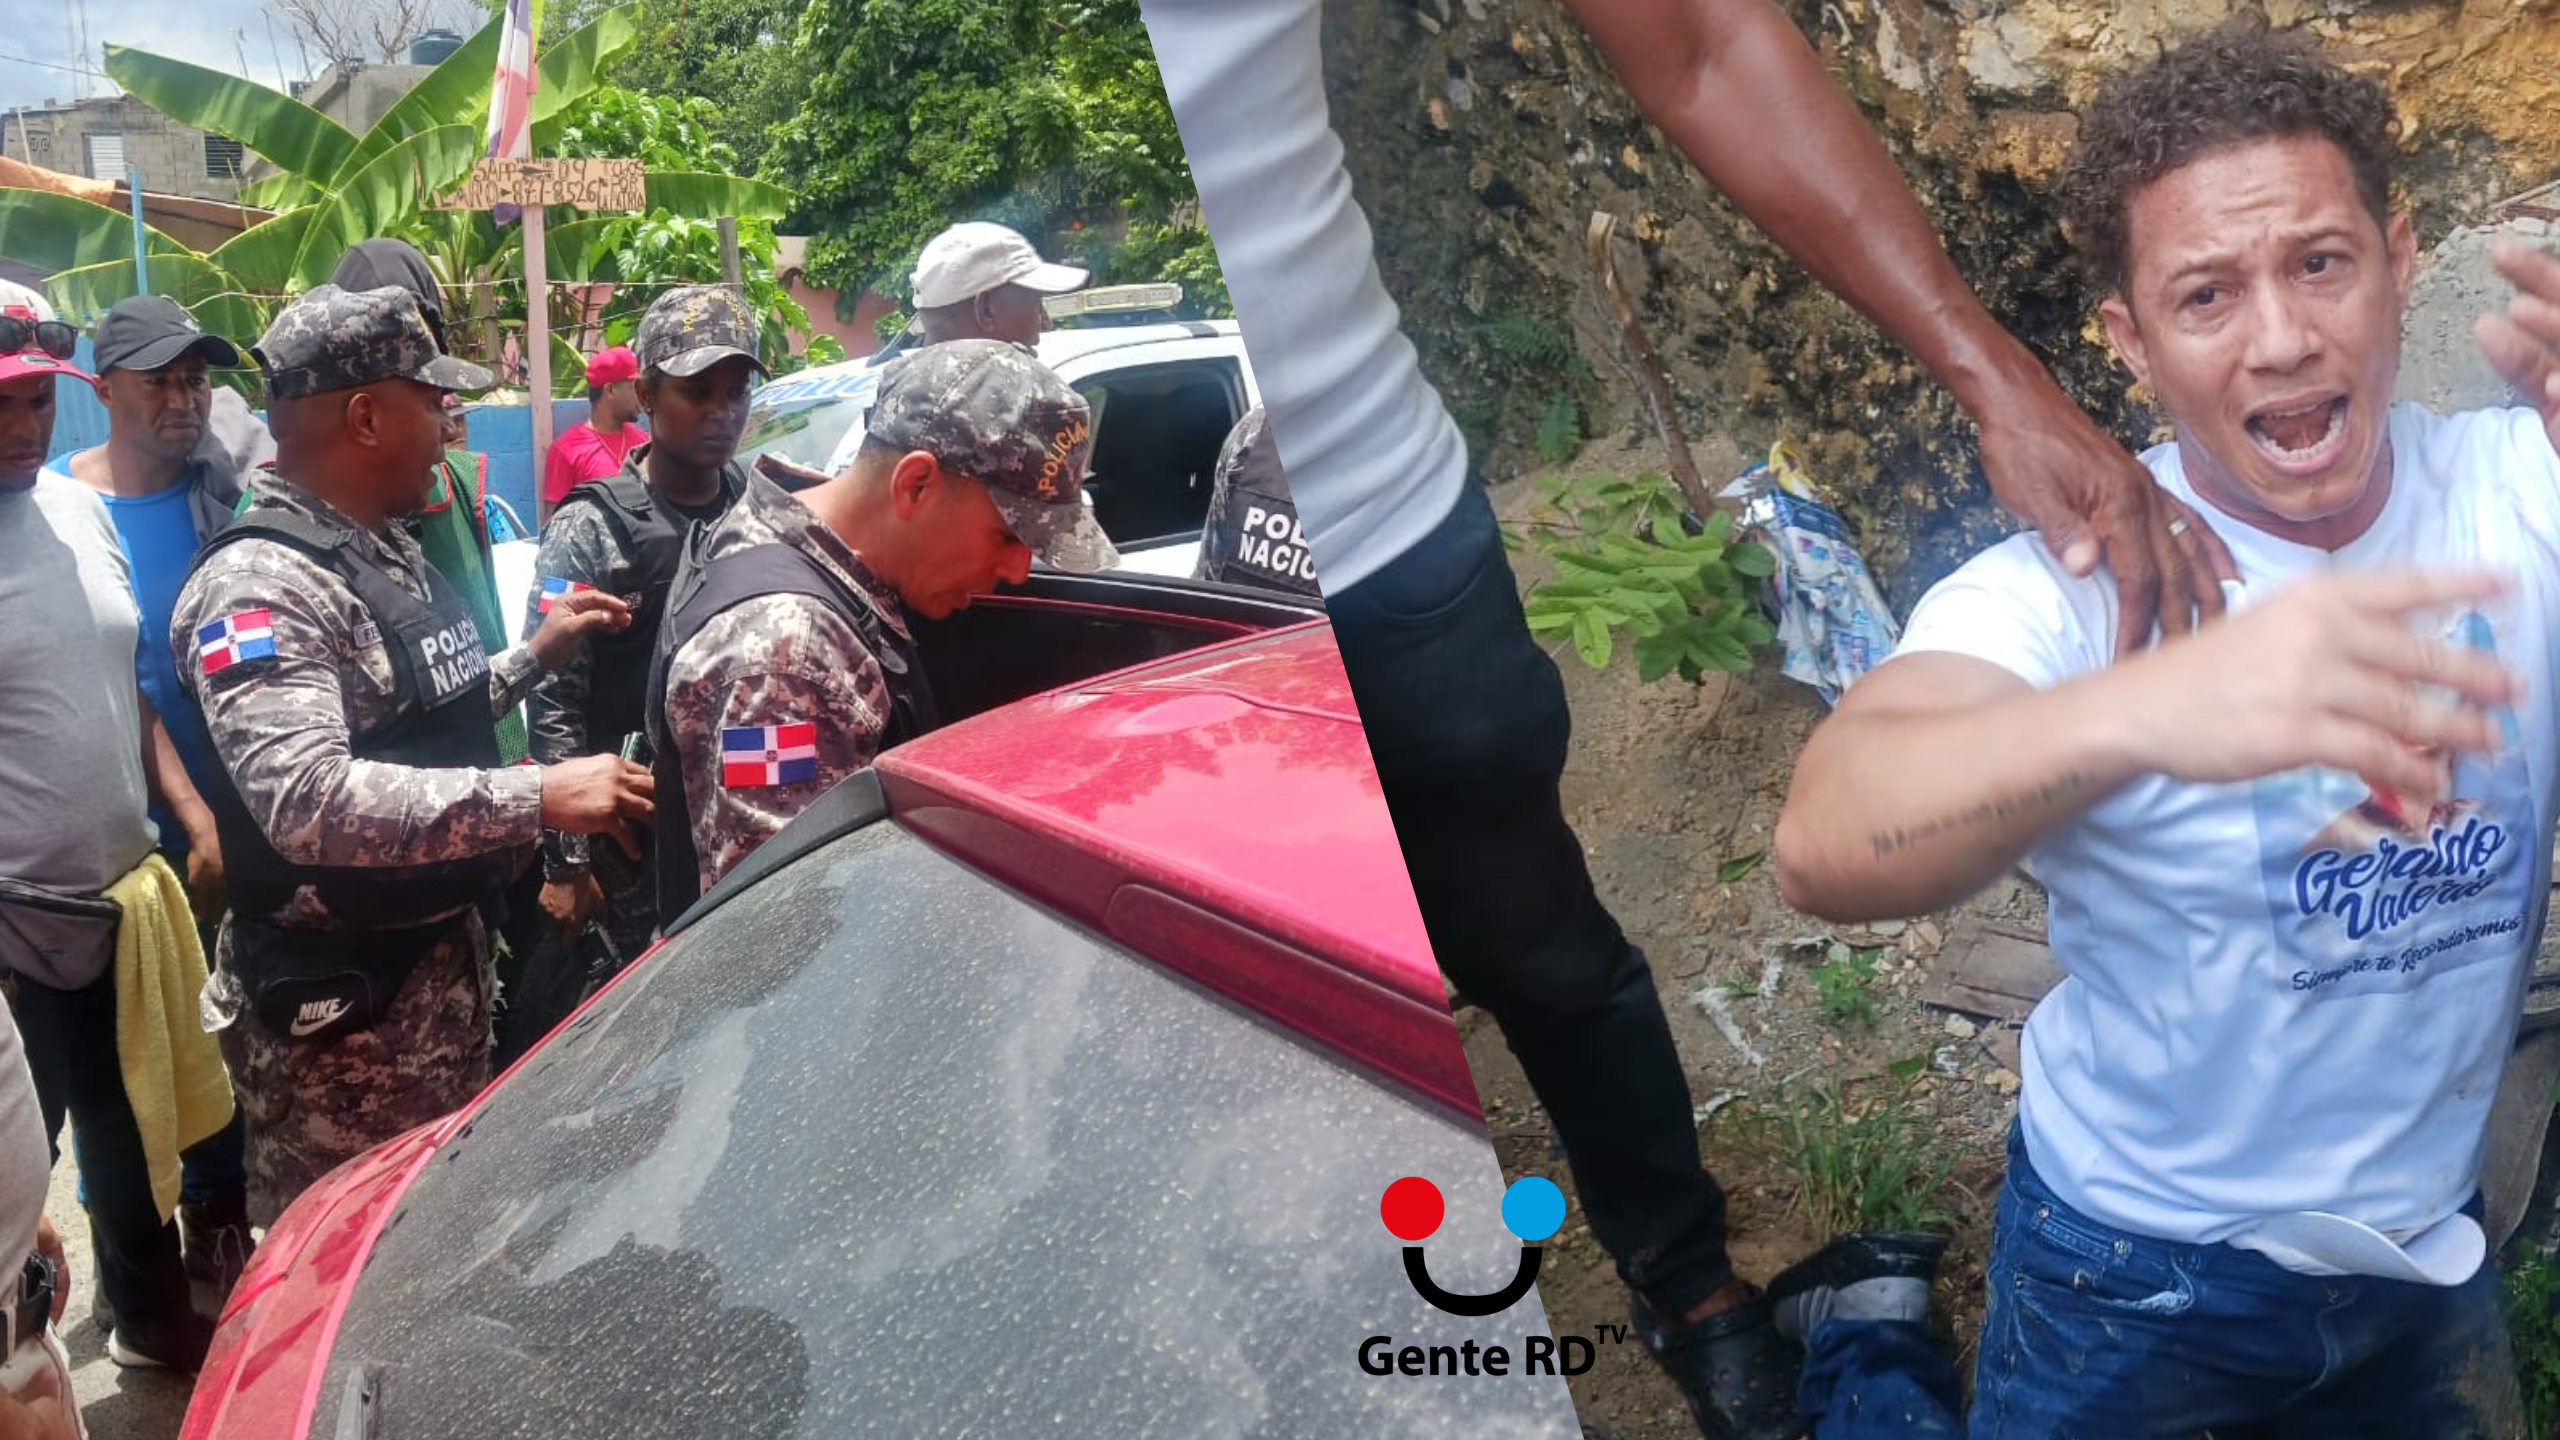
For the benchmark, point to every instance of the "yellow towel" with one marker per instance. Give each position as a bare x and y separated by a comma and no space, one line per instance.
172,1069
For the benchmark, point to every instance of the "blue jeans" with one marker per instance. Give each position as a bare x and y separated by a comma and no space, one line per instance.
1467,723
2094,1332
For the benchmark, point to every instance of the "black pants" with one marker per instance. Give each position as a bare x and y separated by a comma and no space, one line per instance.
70,1039
1467,721
210,1173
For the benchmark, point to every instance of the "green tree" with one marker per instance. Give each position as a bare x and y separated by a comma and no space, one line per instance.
1047,115
647,253
735,54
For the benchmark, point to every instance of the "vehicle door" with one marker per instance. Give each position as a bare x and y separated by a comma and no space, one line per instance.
1161,411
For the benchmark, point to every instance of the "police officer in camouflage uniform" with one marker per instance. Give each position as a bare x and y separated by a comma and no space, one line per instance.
1251,535
786,662
622,534
362,808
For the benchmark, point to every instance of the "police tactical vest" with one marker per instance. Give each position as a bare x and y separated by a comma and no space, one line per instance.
1252,536
701,591
439,721
649,536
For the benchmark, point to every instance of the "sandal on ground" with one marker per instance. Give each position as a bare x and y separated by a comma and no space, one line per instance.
1734,1368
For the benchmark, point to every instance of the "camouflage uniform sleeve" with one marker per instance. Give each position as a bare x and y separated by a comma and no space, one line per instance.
280,726
778,660
511,676
576,545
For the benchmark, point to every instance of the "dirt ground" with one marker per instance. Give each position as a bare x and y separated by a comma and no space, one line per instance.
1666,783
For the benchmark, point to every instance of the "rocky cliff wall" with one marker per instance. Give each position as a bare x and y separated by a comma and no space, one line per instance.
1483,133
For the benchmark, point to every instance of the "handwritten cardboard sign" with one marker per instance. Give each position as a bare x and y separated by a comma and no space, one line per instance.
584,184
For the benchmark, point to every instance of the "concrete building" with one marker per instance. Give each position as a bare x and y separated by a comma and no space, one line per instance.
358,94
99,138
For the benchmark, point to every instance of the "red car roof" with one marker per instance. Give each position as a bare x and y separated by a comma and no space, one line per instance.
1219,813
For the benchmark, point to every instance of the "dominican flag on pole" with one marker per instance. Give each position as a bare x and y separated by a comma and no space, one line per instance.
555,588
511,98
249,635
754,756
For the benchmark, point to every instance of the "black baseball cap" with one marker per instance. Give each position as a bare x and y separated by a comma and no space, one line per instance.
372,264
148,332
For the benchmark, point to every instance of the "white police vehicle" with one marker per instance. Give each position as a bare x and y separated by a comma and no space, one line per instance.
1164,394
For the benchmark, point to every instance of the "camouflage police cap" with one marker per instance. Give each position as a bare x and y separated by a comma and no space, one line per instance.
990,411
694,327
333,339
1249,460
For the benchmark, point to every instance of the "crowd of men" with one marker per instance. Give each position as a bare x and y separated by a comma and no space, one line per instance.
272,758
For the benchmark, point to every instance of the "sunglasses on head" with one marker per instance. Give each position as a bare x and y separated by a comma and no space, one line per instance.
51,336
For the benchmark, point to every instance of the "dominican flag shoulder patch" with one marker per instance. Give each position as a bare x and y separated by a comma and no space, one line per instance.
754,756
236,640
554,588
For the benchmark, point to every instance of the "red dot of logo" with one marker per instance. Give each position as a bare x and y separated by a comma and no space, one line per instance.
1412,1208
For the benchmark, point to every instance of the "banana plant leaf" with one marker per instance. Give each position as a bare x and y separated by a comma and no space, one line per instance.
456,92
291,135
582,250
568,369
378,197
575,65
693,195
280,191
298,249
57,232
211,293
262,257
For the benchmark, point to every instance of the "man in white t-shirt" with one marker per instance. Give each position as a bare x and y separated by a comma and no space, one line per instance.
1465,714
2297,864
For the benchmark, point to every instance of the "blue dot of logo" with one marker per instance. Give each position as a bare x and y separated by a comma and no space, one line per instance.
1533,1208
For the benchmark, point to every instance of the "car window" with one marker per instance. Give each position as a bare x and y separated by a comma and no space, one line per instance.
879,1149
1156,437
802,428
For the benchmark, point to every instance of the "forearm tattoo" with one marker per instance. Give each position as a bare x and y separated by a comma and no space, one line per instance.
2043,797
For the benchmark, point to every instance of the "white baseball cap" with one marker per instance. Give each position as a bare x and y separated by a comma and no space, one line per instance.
976,256
16,296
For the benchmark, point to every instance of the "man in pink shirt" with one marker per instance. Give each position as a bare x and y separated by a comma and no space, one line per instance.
595,449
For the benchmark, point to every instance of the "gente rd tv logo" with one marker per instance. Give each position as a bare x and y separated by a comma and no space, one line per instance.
1532,1209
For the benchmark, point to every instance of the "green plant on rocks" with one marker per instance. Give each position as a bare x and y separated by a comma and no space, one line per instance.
1843,985
1634,565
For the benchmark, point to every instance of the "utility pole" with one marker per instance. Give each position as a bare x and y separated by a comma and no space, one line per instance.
141,252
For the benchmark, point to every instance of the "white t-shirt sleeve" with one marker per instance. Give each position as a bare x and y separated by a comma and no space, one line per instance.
2013,607
1373,459
2525,461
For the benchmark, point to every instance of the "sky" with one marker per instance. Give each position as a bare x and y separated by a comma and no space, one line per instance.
211,33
